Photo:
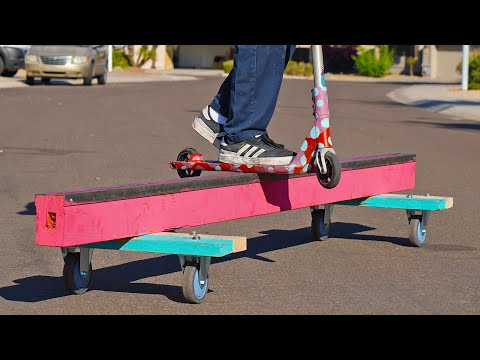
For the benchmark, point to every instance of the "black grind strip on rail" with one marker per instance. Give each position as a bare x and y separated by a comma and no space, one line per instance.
377,160
208,182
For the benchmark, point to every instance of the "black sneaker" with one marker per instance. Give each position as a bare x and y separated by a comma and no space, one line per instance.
267,139
208,128
259,150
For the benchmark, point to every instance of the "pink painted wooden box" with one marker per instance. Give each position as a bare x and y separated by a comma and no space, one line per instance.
102,214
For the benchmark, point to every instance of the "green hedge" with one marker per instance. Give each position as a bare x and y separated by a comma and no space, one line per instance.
366,63
292,68
473,71
228,66
298,68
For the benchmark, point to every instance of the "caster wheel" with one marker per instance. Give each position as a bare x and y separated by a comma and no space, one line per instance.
184,156
194,290
334,171
320,232
75,282
418,232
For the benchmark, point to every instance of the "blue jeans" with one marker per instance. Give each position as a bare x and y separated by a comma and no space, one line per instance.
249,94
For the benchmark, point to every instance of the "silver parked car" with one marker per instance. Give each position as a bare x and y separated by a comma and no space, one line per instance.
67,62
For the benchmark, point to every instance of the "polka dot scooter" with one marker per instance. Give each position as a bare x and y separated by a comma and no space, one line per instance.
316,153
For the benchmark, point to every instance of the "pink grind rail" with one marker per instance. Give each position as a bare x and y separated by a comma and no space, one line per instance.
61,224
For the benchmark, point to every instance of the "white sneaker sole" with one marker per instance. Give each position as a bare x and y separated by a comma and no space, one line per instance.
233,158
207,133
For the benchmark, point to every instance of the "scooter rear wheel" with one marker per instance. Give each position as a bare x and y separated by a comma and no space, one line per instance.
334,171
184,155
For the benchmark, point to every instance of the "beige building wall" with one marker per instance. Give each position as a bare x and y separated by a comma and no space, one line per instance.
448,57
200,56
442,60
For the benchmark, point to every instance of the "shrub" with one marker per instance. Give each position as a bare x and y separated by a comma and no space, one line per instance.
308,69
473,71
146,53
411,62
374,62
339,58
120,59
291,68
298,68
301,68
227,66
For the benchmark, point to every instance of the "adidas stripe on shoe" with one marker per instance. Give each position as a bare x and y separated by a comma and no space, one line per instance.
259,150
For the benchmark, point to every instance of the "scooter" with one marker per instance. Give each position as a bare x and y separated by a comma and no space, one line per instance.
316,153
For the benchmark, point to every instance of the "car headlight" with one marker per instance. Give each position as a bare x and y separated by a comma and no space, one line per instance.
31,59
80,60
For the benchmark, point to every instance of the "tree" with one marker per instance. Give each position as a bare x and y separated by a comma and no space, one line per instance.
147,52
411,61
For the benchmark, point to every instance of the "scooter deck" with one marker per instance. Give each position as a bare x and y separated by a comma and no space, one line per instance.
212,165
197,163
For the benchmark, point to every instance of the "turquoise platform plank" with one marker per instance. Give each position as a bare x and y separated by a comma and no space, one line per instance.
391,201
166,244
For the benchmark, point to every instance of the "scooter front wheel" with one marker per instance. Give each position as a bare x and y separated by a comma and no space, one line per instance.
334,171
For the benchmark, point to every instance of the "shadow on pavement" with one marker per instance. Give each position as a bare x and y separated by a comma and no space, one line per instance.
440,105
426,82
29,209
350,231
52,82
449,125
123,277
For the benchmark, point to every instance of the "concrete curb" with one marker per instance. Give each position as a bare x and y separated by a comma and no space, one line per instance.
437,98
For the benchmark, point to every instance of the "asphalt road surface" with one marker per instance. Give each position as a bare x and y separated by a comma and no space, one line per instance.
63,137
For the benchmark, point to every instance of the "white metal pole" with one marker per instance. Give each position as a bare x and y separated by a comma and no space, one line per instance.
466,51
110,58
317,61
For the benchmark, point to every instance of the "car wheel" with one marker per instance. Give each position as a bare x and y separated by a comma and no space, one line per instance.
30,80
88,80
45,80
102,79
9,73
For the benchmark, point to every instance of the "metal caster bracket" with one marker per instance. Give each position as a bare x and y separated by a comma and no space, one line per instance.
85,259
204,262
328,214
424,216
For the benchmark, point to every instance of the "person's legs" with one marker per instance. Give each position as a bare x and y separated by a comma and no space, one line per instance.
211,120
255,84
221,101
254,87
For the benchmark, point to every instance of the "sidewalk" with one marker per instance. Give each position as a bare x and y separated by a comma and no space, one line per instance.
430,94
446,99
115,77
